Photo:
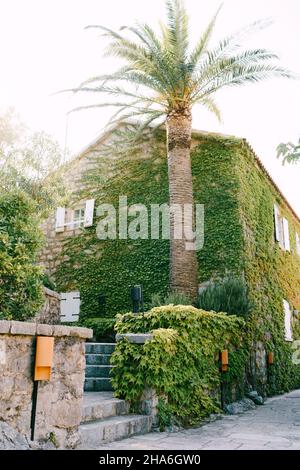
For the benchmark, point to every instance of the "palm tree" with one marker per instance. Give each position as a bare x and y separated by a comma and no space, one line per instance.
165,79
289,152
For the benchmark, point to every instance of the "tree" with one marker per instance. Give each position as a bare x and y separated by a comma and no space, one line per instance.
28,162
20,240
290,153
165,80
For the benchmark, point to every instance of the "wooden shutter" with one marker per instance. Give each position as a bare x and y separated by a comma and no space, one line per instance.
287,321
60,219
89,212
297,244
286,234
277,224
69,306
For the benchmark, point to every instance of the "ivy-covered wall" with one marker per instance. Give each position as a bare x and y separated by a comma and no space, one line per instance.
272,274
239,237
113,266
239,203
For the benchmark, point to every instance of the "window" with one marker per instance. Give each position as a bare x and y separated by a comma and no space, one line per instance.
60,219
82,215
78,217
287,321
282,233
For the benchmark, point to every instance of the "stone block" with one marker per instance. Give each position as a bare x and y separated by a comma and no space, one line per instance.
44,330
23,328
60,330
136,338
4,326
239,406
85,333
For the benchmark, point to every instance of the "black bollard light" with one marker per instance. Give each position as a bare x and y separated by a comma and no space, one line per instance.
137,298
102,304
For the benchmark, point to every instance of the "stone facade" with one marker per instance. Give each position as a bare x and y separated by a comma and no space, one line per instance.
73,171
50,312
59,401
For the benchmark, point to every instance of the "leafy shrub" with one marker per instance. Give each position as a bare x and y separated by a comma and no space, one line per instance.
181,361
20,240
174,298
48,282
228,295
103,328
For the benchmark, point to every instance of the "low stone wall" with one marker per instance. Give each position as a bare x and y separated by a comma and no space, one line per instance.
59,401
50,312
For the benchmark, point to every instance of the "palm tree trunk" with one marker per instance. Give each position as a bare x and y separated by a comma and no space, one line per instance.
183,263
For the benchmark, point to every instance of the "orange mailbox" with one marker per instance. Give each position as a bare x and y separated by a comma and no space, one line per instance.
43,357
224,360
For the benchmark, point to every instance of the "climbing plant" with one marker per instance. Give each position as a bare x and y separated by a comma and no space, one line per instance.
181,361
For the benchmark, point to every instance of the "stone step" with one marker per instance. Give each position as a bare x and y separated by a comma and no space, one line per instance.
112,429
102,405
97,384
97,359
98,371
99,348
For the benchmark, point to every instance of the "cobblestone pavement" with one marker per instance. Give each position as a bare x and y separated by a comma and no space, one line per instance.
275,425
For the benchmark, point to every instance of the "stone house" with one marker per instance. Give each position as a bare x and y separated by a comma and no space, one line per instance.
250,230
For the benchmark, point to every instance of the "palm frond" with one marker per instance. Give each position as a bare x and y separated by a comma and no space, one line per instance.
178,31
203,42
211,106
116,91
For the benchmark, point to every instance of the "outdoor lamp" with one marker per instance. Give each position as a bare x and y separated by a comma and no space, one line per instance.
43,357
270,358
102,304
136,297
224,360
42,371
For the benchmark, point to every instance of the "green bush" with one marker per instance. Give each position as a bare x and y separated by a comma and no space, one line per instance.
103,328
181,362
48,282
20,240
228,295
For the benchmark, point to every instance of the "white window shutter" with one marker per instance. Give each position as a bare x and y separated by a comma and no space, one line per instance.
89,213
286,234
287,321
69,306
297,244
60,219
277,224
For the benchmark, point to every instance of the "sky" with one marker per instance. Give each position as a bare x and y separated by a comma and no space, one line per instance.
45,49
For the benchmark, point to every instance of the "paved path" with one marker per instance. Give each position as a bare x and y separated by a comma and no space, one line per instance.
275,425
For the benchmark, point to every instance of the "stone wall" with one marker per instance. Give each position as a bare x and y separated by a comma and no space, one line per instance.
59,401
50,312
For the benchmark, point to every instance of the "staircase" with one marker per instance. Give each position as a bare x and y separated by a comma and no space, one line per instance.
98,368
104,417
